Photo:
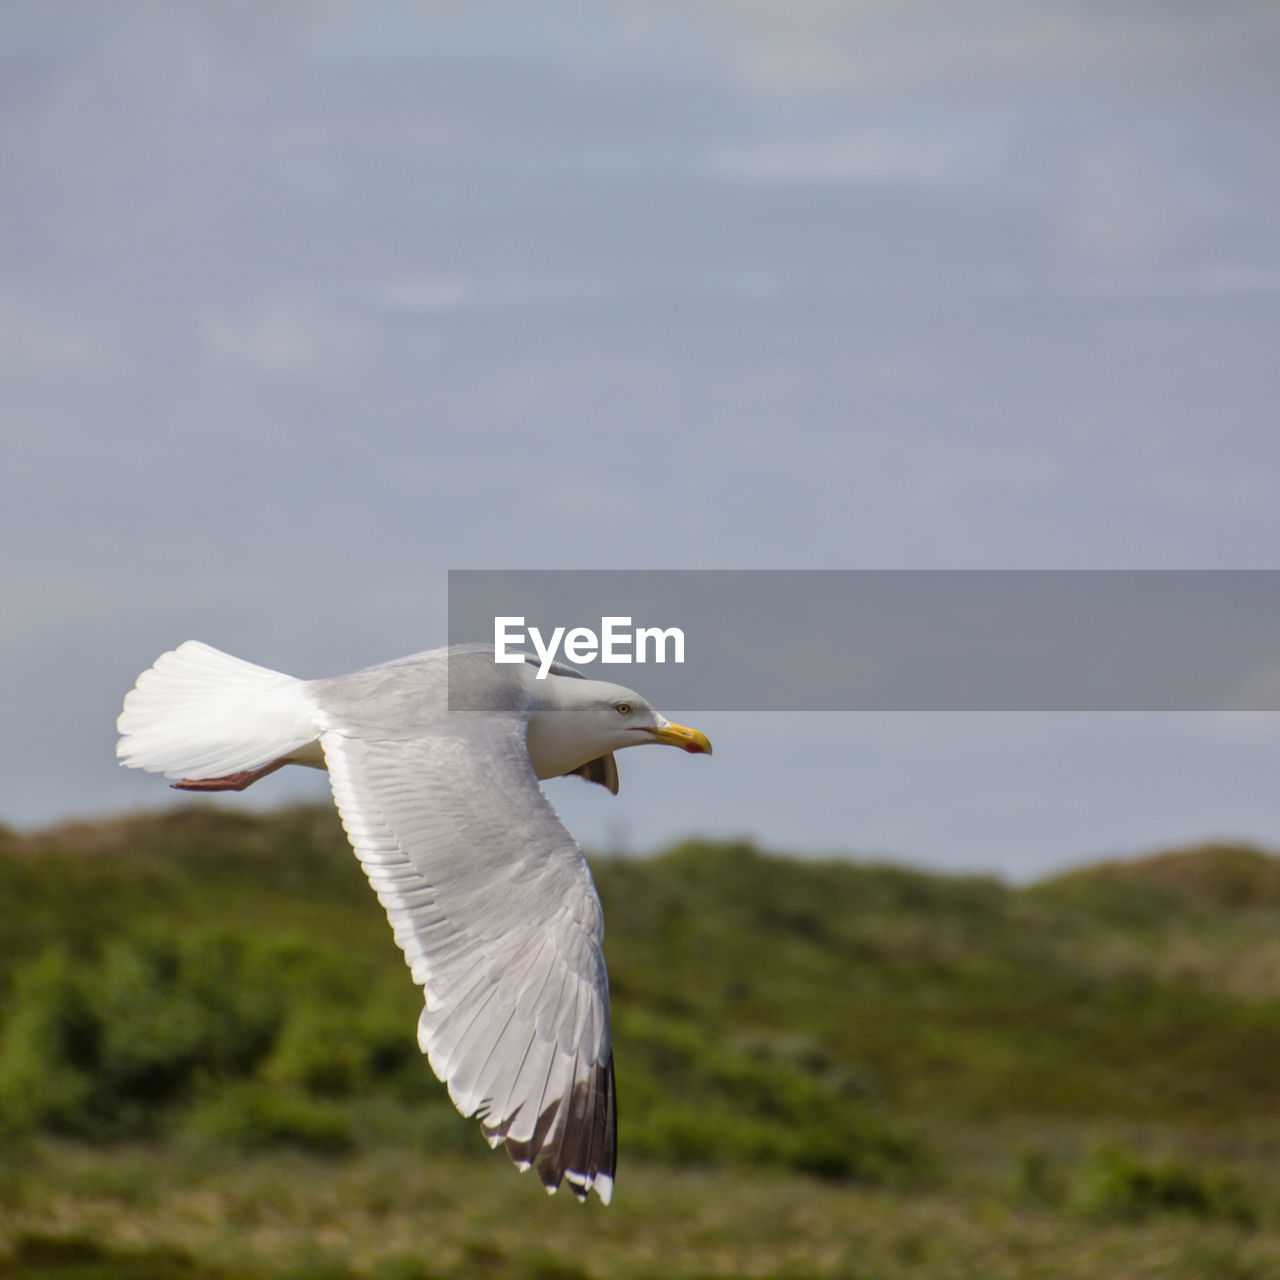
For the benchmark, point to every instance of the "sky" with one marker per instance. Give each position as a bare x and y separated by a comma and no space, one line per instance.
302,306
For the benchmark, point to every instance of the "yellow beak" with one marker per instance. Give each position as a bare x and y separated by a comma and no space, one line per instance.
678,735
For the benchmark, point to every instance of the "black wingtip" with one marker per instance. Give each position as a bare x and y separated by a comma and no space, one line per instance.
577,1143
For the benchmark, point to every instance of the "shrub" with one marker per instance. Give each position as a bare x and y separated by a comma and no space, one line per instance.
49,1048
99,1048
319,1052
757,1099
336,1051
255,1115
1119,1184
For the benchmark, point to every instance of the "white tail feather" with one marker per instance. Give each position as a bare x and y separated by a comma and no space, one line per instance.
200,713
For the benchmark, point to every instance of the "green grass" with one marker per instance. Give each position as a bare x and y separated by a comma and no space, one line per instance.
208,1068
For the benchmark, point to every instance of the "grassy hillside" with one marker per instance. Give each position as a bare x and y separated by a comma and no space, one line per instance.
208,1067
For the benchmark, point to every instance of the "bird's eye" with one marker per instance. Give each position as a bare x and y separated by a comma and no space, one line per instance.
623,708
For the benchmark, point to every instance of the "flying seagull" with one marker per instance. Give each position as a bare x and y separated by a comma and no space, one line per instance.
434,761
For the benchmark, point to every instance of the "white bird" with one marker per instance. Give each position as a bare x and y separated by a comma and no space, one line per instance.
434,761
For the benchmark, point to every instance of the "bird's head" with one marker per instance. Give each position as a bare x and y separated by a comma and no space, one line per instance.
576,720
627,720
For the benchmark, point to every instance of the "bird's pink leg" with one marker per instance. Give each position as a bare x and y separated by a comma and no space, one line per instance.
231,781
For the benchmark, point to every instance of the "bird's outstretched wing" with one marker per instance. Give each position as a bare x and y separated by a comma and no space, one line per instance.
492,903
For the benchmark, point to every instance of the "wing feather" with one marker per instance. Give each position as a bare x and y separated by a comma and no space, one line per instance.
491,901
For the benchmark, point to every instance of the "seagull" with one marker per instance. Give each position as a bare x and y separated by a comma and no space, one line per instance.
434,760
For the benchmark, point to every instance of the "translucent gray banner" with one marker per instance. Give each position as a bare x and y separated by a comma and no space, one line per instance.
897,640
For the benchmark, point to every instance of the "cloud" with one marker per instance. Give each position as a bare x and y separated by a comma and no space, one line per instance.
1116,209
35,344
281,339
448,295
870,157
833,47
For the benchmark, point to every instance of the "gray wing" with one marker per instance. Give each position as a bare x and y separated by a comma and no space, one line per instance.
492,903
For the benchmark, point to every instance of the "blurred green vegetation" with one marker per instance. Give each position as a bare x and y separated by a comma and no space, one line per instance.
969,1078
